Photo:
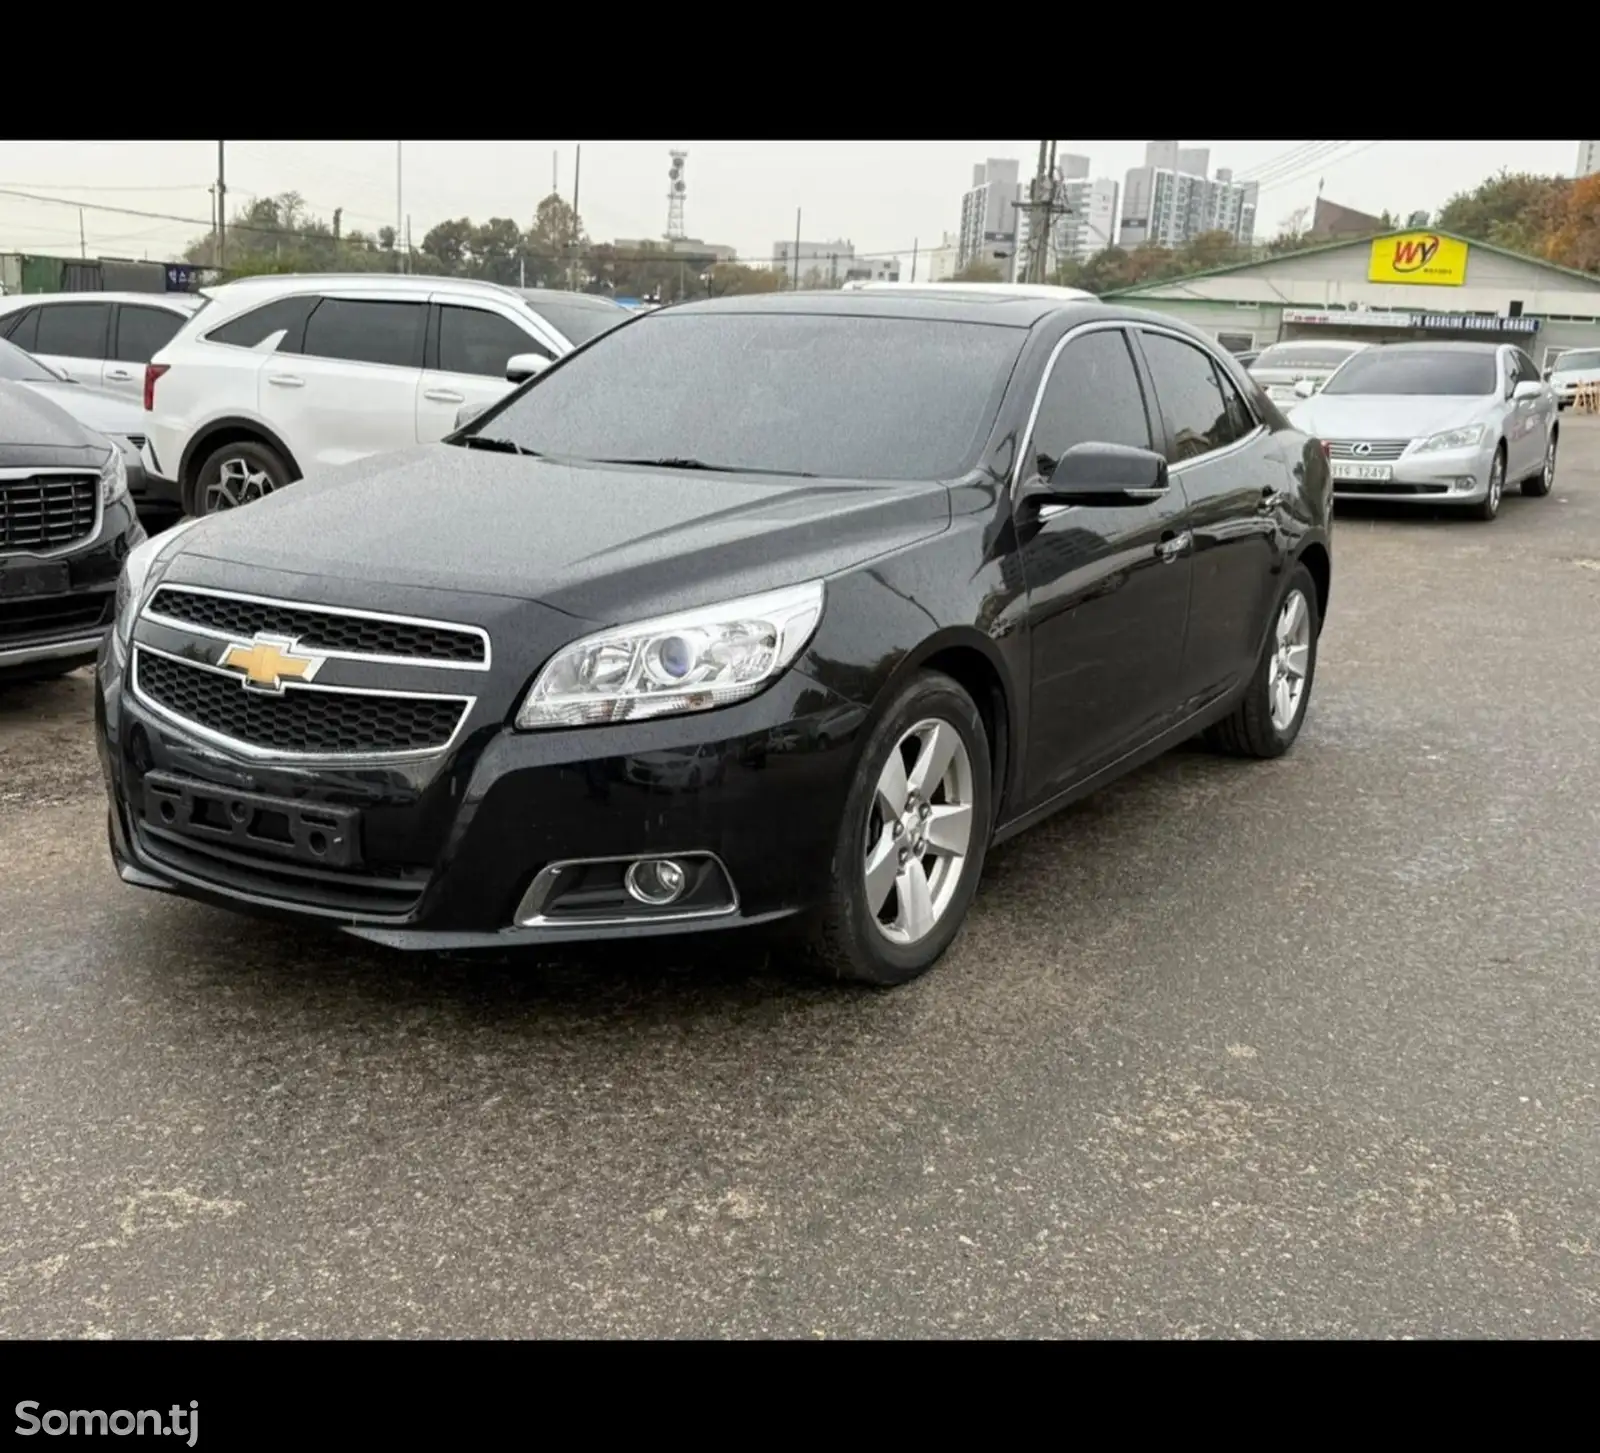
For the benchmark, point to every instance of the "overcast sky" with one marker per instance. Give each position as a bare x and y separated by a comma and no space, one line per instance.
881,195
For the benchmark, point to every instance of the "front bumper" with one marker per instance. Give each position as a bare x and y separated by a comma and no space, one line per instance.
39,627
1456,476
450,847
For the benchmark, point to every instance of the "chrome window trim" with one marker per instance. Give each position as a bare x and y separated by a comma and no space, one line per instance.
383,617
528,914
273,754
14,474
1126,325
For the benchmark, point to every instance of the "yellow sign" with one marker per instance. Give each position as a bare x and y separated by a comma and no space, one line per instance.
267,662
1418,257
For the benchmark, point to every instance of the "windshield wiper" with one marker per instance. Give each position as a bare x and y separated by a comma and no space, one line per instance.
671,461
499,446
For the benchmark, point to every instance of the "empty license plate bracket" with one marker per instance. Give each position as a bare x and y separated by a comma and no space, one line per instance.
302,832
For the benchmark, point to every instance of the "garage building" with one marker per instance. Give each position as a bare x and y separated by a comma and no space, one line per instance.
1393,287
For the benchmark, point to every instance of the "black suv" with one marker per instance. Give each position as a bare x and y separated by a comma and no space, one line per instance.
66,525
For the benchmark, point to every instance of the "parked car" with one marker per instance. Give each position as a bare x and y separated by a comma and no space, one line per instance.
283,374
889,577
1574,369
121,420
66,526
100,339
1245,359
1283,366
1436,423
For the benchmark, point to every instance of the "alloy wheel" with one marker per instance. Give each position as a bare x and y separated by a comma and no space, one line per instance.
238,483
1497,482
919,831
1550,464
1290,662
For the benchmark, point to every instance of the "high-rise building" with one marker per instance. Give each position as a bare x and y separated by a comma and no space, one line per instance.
831,264
989,215
1090,226
1169,201
1588,158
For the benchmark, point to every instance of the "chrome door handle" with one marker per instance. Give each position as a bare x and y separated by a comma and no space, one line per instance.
1169,550
118,373
1270,500
443,396
285,380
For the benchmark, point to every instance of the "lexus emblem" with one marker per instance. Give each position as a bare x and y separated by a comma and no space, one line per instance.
1361,449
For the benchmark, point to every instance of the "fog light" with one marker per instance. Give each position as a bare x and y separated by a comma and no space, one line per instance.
656,882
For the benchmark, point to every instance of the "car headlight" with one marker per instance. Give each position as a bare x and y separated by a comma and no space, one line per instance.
694,661
134,583
1467,438
114,477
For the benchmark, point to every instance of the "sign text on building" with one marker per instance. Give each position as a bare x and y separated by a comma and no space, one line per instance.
1418,257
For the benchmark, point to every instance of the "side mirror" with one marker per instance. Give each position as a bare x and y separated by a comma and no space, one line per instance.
1527,389
523,366
1103,474
467,413
1304,388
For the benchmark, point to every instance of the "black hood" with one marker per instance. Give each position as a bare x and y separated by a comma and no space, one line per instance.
598,543
36,433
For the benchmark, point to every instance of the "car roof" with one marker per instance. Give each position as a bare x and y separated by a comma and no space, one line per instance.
1006,310
181,302
355,282
1447,345
978,290
583,300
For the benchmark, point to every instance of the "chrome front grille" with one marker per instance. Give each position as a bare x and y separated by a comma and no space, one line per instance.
1368,451
326,630
301,720
47,511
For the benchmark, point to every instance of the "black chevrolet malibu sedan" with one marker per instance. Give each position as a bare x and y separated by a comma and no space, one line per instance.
67,524
770,610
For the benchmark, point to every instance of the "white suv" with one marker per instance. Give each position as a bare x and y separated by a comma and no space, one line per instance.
278,375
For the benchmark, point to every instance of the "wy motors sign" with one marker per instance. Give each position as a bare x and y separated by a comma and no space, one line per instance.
1418,257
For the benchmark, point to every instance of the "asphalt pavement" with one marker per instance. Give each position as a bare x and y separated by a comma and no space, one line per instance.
1300,1049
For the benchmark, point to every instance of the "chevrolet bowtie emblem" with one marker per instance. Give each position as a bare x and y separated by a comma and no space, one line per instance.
269,661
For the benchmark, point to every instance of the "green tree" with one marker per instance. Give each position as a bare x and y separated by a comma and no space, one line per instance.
724,279
1574,240
1515,210
980,271
555,244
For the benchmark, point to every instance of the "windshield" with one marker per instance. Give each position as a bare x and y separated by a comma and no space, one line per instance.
579,322
787,393
1571,362
1435,372
1302,356
19,367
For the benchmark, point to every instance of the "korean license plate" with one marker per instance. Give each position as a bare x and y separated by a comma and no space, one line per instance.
1367,473
50,579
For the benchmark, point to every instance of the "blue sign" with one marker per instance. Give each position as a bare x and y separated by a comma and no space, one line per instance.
180,277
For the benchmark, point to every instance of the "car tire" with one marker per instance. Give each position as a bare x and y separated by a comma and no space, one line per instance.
1488,508
890,915
1536,486
234,475
1259,725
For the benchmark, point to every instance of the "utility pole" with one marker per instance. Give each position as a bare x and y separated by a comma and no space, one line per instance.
83,247
399,211
222,203
914,242
797,249
577,177
338,212
1042,209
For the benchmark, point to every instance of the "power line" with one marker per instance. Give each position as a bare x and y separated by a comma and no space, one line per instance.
1321,165
1284,161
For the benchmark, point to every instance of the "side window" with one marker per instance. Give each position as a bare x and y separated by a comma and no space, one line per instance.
143,332
478,342
1525,371
74,330
358,331
1093,396
285,315
1240,420
22,327
1190,395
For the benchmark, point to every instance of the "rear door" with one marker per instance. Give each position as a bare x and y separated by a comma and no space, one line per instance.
138,332
1234,477
351,389
469,345
1525,419
74,338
